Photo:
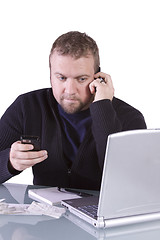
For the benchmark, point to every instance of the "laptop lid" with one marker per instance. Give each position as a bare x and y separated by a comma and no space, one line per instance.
131,175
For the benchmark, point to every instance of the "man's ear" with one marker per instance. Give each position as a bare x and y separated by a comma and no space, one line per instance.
50,68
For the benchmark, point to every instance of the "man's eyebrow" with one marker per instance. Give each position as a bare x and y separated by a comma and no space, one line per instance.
58,73
78,76
82,75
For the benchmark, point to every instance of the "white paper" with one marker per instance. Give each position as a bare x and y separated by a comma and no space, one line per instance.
46,209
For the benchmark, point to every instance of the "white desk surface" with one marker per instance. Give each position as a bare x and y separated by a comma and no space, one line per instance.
67,227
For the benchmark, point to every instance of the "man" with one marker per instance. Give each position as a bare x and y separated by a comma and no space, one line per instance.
73,120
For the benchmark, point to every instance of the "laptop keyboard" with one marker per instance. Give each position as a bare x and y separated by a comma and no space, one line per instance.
90,210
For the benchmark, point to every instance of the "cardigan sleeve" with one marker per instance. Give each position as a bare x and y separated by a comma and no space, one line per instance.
111,117
10,131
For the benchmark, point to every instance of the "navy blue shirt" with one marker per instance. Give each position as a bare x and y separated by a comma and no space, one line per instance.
74,127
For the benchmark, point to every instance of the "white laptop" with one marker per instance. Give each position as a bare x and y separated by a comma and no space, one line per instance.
130,186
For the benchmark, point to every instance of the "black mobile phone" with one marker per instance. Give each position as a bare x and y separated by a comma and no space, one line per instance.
98,70
34,140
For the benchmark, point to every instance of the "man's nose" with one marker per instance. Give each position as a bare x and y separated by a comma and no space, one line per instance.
70,86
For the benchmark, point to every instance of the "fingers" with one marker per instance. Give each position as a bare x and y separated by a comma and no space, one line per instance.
18,146
102,87
21,157
102,75
107,78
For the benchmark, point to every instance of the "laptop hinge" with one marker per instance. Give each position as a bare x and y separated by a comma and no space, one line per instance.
100,223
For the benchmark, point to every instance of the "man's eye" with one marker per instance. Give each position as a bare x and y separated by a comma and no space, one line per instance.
82,79
61,78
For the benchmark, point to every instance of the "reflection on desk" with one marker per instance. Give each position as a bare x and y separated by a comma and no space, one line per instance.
67,227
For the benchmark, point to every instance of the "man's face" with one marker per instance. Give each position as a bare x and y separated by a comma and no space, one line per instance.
70,79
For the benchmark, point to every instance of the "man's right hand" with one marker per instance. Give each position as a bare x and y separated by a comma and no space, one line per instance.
102,87
21,156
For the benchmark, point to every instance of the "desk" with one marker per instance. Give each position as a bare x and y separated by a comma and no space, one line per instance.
68,227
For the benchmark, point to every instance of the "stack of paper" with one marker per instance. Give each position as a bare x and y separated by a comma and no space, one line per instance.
51,195
34,208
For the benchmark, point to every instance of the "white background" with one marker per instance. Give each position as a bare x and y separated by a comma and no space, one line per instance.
126,31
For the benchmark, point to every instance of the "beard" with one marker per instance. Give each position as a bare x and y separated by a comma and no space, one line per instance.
71,104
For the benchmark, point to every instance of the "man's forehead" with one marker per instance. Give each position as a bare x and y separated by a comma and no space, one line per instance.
66,65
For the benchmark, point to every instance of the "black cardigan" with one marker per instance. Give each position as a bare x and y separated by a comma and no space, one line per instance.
36,113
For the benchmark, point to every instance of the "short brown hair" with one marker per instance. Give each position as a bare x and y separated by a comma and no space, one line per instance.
76,45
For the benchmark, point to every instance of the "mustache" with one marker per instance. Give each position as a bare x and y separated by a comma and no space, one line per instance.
69,97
